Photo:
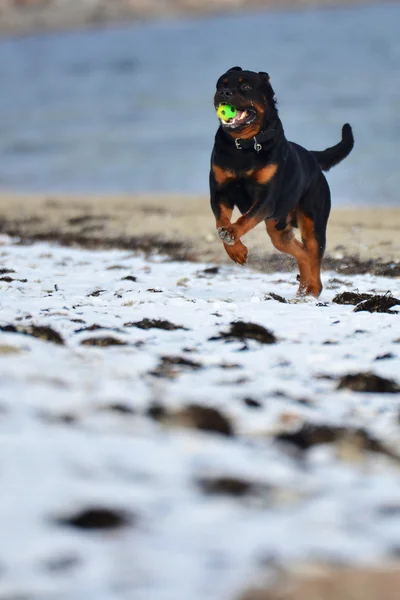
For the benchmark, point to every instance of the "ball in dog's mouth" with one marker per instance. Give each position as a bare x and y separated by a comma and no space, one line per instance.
225,112
238,118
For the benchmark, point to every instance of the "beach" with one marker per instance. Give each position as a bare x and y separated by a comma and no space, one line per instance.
175,426
182,226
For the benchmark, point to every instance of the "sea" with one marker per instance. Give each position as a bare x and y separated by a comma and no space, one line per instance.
130,108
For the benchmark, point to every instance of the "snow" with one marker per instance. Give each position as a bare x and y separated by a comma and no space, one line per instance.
184,543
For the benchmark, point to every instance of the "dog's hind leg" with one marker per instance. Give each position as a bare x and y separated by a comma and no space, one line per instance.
283,239
312,218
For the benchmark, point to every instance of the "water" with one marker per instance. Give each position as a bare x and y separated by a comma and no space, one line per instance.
130,109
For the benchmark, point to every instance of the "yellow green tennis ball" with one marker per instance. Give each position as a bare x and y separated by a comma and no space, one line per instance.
226,112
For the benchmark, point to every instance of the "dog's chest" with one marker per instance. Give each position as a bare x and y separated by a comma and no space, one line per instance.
261,174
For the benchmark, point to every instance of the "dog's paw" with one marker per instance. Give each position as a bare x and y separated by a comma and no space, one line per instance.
238,253
302,299
309,291
227,235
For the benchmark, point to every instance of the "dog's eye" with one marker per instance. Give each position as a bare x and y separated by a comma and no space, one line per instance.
245,87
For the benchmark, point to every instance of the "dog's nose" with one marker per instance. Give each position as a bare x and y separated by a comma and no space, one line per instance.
226,93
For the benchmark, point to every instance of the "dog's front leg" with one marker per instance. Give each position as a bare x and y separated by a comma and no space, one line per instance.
231,233
222,210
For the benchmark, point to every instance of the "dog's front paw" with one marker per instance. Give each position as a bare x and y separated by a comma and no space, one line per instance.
237,253
227,235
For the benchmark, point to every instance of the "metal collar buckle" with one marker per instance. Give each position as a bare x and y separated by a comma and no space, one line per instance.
257,146
237,144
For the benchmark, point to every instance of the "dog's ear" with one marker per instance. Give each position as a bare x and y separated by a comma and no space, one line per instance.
264,76
235,69
268,87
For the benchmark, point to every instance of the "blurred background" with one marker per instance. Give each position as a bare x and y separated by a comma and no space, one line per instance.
99,97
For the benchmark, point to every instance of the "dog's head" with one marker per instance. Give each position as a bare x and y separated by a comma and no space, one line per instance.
253,98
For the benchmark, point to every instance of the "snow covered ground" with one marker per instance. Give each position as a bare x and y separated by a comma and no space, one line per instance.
90,425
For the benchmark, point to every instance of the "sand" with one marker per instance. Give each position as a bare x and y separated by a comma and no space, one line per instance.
183,223
336,584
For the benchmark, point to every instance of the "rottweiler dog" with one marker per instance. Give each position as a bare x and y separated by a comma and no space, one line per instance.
255,168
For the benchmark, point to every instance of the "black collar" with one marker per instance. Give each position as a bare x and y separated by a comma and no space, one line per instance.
257,142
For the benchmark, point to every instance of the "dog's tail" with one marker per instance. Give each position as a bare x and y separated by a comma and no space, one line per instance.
332,156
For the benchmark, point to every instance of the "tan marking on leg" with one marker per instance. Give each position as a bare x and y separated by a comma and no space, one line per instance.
314,252
244,224
238,252
222,175
285,241
224,219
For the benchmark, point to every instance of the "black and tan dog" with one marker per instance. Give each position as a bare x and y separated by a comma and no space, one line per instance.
255,168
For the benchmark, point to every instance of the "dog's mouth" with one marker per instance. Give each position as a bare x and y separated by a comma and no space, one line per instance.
240,119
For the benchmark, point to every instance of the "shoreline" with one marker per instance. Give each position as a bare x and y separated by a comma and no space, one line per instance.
31,17
182,227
